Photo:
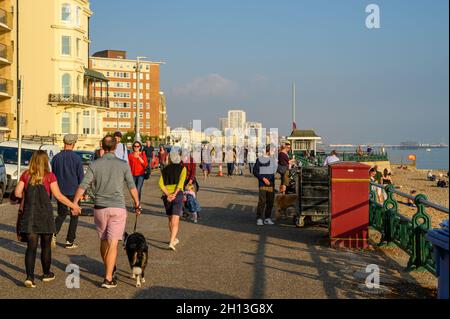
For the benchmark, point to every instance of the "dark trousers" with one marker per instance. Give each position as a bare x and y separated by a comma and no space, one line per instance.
63,211
230,168
265,204
30,254
139,182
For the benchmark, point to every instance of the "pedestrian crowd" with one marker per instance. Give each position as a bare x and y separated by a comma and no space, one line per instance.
64,179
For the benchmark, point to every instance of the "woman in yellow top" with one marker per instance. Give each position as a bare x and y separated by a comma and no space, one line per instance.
171,183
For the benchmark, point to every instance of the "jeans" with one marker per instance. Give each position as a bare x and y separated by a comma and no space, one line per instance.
265,204
139,182
230,168
250,167
63,211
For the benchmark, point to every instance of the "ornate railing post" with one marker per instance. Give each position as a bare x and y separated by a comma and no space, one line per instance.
421,223
390,208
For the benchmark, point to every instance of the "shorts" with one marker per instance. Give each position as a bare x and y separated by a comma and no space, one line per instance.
174,208
206,167
110,223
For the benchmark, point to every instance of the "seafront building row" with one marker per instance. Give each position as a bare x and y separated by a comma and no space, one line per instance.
46,68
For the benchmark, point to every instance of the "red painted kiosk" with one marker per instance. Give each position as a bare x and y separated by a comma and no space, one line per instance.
349,204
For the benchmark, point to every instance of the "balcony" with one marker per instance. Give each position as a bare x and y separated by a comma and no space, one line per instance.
5,88
6,54
6,20
78,99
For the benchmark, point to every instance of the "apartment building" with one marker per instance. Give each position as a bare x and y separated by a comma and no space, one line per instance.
7,73
236,119
48,43
122,74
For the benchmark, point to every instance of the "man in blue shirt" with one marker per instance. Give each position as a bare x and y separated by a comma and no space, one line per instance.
68,168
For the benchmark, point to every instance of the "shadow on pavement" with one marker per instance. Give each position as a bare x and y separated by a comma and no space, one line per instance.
158,292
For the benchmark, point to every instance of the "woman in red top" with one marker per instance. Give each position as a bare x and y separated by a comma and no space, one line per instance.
138,163
36,214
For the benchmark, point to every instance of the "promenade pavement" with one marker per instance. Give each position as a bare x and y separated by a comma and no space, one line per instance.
225,255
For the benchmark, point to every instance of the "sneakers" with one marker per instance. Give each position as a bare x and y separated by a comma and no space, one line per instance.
267,221
53,245
49,277
29,283
70,245
109,284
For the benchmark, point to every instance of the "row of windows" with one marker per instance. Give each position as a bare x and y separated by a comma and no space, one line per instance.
90,124
127,105
124,85
129,66
125,125
66,46
123,95
66,84
126,115
66,14
126,75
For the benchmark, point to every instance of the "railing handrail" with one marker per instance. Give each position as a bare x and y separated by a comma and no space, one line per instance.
421,200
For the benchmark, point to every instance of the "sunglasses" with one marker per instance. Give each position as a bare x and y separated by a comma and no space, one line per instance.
136,146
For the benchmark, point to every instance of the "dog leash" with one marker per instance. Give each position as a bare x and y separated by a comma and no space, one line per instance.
135,223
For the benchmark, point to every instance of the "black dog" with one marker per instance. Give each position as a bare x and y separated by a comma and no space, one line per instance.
137,252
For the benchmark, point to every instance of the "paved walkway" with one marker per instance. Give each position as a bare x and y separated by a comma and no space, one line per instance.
224,256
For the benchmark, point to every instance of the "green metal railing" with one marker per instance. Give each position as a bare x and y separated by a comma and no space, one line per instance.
407,234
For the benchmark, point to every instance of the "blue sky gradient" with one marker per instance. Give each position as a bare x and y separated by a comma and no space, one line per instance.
354,85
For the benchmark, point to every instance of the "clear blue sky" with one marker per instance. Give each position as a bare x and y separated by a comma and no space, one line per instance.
353,84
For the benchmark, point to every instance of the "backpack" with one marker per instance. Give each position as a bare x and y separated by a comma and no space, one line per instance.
37,216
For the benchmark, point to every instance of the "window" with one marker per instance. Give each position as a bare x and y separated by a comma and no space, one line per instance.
147,96
147,76
65,45
147,105
86,122
147,115
66,88
78,47
78,16
65,123
147,86
148,125
65,12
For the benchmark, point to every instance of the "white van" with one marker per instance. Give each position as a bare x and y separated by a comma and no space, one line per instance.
9,152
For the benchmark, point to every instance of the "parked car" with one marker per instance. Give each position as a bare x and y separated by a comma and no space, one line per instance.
87,157
3,179
9,151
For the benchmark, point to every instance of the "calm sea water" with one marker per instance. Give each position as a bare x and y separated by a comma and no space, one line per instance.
437,158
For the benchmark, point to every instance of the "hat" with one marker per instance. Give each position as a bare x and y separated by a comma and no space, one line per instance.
70,139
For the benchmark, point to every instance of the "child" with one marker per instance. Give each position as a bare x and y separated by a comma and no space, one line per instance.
192,204
410,201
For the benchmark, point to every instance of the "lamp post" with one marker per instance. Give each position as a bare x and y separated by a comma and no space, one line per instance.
138,102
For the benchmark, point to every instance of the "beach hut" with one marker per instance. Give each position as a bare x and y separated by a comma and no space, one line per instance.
303,140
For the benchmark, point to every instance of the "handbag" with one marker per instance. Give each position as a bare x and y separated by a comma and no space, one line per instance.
22,237
148,172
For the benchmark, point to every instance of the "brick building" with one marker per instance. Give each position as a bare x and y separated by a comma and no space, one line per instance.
122,76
